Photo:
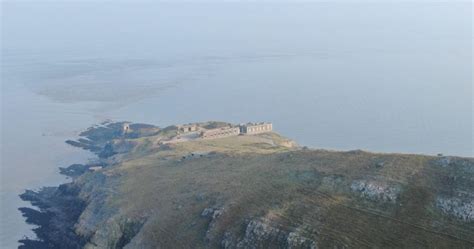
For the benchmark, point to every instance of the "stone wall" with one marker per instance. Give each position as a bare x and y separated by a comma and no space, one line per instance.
220,132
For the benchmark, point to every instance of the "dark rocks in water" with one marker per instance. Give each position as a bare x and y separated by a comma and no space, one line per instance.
34,216
59,209
89,147
74,170
37,199
28,243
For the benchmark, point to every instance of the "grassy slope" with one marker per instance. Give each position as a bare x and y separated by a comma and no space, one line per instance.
254,176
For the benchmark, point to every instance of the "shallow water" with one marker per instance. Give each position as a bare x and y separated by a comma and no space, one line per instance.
382,77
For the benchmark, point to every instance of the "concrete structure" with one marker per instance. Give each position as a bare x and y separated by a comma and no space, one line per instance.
188,128
255,128
220,132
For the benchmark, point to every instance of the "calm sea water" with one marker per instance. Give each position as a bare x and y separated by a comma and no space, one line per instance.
388,77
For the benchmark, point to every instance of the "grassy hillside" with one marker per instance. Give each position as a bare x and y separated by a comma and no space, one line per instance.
263,192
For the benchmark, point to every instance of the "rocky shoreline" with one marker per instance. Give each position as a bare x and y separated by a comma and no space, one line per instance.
57,209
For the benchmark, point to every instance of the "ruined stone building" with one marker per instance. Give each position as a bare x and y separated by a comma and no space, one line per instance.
220,132
188,128
184,131
255,128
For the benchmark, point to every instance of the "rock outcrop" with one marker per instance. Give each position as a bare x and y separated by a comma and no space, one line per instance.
59,210
261,233
461,208
212,214
376,190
